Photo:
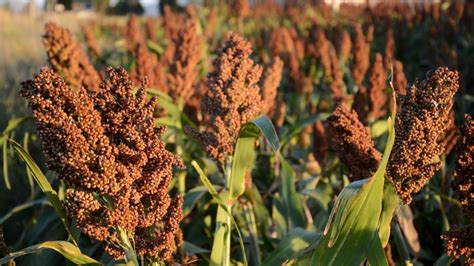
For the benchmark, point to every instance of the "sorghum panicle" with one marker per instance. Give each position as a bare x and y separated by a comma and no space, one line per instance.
106,149
343,45
269,85
351,141
183,69
389,53
464,168
147,65
233,97
399,79
377,96
360,55
422,120
133,34
91,41
337,78
67,58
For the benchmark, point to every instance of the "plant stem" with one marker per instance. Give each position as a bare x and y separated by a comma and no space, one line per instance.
401,244
130,255
228,221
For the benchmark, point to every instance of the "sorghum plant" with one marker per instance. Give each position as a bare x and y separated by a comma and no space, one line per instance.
105,147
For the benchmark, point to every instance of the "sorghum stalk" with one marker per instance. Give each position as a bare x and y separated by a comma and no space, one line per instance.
233,99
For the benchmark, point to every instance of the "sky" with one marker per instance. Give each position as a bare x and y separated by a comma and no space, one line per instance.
150,6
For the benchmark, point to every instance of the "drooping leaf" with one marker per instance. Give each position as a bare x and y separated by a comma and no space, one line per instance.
22,207
68,250
191,249
43,183
192,197
296,241
268,130
12,124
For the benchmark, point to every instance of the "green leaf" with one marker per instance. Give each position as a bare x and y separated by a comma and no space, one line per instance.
68,250
175,117
378,128
301,125
5,164
251,225
43,183
191,198
355,218
293,211
191,249
443,260
375,253
390,203
153,46
22,207
268,130
295,242
244,155
12,124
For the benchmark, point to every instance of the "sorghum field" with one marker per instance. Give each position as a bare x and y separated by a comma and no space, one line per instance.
240,134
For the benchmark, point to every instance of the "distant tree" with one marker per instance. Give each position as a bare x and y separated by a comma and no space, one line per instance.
124,7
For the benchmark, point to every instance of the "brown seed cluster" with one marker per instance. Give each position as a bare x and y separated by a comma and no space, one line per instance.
389,54
351,141
233,97
133,34
67,58
269,84
337,78
343,45
320,141
147,65
106,149
422,120
361,105
150,29
320,49
360,55
241,8
171,22
91,41
285,43
183,69
376,90
3,246
399,79
459,241
464,168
